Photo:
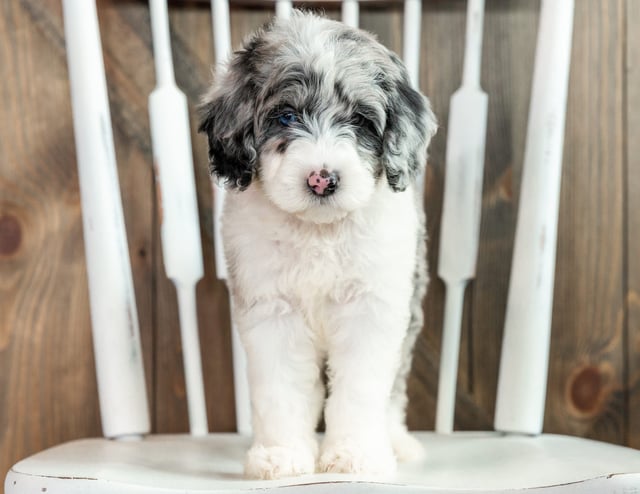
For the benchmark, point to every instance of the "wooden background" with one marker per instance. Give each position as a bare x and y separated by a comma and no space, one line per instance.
47,378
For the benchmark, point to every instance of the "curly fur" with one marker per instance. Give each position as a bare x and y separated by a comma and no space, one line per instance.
334,280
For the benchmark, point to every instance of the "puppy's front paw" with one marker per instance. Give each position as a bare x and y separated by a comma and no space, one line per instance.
346,456
274,462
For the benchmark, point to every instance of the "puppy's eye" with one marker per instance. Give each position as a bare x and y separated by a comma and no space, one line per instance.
287,118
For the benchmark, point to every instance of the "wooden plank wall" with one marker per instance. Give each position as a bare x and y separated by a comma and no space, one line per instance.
632,257
587,397
47,379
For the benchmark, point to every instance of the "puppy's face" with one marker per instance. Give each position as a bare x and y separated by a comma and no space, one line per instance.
317,114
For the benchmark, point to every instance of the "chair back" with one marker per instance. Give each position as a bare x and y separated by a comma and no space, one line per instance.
124,409
221,28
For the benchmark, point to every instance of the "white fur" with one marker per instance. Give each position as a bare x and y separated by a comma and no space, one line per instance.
329,282
304,292
284,177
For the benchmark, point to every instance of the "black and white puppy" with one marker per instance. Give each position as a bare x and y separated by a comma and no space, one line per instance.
319,136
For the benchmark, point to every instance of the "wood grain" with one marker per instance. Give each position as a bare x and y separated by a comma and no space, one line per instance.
47,378
506,73
508,58
632,181
586,379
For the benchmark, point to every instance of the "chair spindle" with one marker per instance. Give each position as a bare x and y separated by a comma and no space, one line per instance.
180,229
114,318
523,372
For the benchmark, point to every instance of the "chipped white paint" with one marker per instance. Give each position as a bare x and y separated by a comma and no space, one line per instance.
114,318
522,381
180,230
460,463
460,225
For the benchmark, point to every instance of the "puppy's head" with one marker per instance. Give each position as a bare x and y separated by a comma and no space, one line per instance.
316,114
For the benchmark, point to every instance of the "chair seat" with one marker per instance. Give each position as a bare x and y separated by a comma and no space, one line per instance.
463,462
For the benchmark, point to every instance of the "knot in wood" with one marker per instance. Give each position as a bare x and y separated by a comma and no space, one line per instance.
586,389
10,235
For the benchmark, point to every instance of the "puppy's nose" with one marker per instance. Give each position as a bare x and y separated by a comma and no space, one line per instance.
323,183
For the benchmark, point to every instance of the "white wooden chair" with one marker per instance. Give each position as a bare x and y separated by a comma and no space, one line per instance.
515,458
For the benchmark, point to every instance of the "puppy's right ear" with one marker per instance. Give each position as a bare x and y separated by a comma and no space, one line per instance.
227,118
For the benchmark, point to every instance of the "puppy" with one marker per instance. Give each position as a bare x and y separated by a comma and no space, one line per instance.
319,136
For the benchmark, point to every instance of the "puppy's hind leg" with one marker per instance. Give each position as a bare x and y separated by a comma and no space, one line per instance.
284,379
405,446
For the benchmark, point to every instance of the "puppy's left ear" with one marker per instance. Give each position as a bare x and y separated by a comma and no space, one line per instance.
410,126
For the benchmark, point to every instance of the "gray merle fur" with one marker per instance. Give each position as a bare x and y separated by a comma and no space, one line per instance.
366,93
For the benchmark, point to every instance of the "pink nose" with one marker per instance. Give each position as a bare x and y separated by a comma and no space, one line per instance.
323,183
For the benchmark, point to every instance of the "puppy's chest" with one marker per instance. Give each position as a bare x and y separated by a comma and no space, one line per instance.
326,261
